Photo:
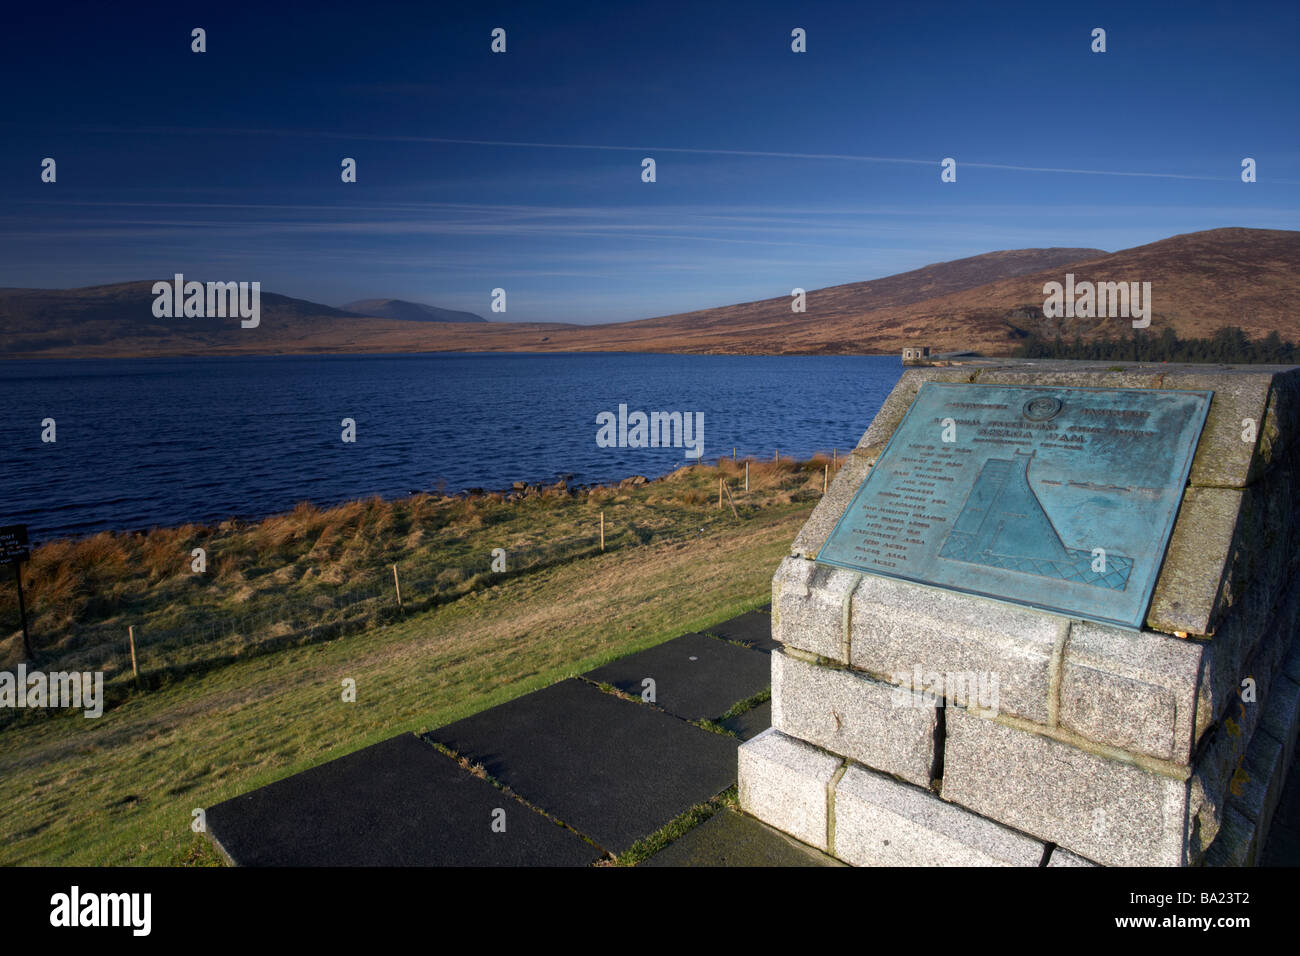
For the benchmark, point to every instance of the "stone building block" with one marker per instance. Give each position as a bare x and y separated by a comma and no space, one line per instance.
881,822
809,604
1061,857
785,783
1135,690
1113,812
850,714
896,627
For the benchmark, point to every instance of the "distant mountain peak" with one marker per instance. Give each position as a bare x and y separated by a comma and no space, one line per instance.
1200,282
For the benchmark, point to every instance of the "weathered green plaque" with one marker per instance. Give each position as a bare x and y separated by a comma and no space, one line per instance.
1058,498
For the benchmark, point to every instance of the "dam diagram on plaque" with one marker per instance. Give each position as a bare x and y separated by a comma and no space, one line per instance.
1004,525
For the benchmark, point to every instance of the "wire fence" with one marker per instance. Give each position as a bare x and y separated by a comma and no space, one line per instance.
143,649
210,636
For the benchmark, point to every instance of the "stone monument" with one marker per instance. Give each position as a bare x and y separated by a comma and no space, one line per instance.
1045,615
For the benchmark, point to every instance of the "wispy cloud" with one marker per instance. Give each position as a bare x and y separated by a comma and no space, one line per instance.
647,150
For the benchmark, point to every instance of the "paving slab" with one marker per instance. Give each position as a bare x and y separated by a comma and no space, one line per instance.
752,722
612,769
753,628
396,803
732,839
695,677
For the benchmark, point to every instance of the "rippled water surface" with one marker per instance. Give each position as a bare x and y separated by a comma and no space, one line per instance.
164,441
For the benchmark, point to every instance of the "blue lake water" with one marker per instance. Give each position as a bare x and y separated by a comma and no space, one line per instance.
144,442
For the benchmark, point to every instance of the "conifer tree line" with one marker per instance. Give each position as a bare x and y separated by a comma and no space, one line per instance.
1228,345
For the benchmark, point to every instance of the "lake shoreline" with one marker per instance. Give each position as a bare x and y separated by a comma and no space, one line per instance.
104,445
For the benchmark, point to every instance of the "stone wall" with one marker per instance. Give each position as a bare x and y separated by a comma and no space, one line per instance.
1106,745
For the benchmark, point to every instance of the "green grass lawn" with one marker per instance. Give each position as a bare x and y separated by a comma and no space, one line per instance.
121,789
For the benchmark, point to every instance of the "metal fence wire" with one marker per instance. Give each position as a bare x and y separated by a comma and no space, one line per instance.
210,636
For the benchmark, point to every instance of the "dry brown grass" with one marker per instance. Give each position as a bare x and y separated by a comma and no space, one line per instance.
309,564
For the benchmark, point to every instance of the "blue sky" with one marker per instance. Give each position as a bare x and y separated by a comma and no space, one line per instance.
522,170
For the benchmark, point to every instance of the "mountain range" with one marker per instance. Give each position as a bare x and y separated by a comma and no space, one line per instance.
1200,282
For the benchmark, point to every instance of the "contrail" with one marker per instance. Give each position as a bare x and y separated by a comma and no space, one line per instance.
762,154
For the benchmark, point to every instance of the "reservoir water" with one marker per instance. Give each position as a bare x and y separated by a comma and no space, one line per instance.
143,442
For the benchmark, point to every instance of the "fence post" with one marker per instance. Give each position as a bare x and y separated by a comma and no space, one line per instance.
397,585
826,471
731,502
719,494
778,456
602,531
835,457
733,454
130,637
746,477
22,612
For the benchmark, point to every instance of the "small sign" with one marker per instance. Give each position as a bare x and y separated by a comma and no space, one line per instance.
13,545
1058,498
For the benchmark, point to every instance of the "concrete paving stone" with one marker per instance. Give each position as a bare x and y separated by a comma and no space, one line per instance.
848,713
396,803
753,628
612,769
733,839
785,783
881,822
752,722
695,677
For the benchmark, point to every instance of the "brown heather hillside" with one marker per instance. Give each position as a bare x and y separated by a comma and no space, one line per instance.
1200,282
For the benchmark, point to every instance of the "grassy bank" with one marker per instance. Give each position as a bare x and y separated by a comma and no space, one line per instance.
120,789
316,574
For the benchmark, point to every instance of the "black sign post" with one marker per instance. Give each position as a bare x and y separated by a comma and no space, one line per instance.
14,551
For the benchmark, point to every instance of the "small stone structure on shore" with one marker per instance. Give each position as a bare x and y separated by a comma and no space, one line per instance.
1160,740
